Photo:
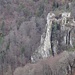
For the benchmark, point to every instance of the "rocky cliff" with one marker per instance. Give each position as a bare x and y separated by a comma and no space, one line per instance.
58,36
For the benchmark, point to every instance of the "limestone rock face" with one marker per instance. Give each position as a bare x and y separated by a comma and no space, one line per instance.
57,37
45,44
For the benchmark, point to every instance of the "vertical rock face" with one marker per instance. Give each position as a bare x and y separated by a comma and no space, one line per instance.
58,35
47,41
45,44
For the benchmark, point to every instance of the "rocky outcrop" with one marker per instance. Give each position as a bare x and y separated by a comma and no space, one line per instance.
58,35
45,44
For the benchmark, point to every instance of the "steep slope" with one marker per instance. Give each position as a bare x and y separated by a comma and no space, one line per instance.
24,32
62,64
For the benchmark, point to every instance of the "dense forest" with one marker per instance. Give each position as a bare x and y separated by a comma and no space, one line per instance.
22,22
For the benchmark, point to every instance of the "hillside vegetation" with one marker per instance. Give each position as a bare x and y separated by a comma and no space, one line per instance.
22,22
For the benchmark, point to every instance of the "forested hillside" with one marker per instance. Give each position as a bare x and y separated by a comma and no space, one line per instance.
22,23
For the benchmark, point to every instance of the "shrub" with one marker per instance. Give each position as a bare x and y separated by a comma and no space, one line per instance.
40,11
20,7
35,0
1,39
71,49
67,6
47,70
2,56
55,5
46,1
8,45
2,26
26,12
19,22
8,7
22,50
54,27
